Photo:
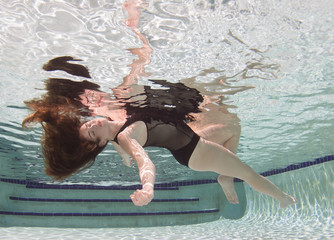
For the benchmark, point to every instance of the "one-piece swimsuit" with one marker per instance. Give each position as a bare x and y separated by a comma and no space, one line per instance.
177,137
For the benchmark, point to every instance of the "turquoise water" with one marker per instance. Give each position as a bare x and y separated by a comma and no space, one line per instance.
272,61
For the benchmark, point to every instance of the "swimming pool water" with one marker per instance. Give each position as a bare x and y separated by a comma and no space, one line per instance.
271,60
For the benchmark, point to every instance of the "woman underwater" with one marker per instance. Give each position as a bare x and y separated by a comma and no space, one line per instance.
71,143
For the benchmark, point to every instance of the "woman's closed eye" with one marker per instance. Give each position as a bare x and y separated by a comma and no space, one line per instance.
91,134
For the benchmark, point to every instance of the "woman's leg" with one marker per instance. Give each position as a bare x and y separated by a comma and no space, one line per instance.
227,185
209,156
229,138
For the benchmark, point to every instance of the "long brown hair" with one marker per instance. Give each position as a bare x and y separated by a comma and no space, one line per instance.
60,114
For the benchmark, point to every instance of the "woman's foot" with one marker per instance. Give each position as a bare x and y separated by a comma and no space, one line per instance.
287,201
228,187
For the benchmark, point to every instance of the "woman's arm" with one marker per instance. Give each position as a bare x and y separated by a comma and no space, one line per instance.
129,141
144,53
126,158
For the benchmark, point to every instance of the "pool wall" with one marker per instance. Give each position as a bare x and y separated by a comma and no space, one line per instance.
311,218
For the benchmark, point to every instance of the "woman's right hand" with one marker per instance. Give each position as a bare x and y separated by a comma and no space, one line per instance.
142,197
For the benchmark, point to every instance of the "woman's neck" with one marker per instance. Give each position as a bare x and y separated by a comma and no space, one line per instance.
114,127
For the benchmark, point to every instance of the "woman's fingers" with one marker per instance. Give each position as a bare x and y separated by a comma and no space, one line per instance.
140,198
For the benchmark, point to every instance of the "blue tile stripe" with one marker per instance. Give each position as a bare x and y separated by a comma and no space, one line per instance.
91,187
213,210
295,166
98,200
165,186
157,186
14,181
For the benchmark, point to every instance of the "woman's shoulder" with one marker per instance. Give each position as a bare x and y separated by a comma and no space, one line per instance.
136,130
120,126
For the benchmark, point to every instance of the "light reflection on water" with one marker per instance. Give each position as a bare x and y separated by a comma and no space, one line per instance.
271,60
100,37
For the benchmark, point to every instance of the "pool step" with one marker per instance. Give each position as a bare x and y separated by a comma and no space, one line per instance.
101,205
75,206
126,214
97,200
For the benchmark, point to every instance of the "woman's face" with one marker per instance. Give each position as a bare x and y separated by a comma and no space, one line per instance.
96,130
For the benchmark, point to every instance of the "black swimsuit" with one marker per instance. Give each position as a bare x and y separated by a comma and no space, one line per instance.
177,137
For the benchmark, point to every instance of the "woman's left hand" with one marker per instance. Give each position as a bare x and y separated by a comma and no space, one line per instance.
127,160
142,197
